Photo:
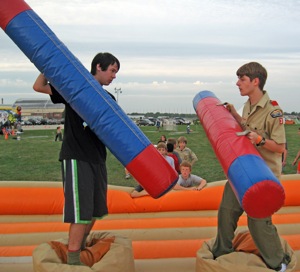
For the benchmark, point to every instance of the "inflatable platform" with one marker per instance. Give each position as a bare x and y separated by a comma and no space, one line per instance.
166,233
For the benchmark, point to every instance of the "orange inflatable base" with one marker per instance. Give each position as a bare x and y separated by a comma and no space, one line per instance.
166,233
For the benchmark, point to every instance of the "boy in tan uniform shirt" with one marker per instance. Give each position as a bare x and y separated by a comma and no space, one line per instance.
264,119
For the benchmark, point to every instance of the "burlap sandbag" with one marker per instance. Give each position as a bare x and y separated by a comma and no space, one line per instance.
119,258
238,261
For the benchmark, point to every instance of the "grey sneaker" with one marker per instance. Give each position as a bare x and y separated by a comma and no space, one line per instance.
128,176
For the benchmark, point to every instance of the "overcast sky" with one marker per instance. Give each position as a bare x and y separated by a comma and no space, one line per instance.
170,49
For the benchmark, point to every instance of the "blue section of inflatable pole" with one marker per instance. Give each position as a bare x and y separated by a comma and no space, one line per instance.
84,94
247,171
80,89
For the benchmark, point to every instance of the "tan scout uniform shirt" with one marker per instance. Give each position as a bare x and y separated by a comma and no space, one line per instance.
187,154
266,119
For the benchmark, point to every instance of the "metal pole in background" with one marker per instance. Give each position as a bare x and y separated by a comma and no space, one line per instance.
117,91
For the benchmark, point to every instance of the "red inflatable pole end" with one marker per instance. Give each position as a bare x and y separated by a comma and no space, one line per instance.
9,9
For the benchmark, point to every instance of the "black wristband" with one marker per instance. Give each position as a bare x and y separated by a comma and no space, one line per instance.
262,142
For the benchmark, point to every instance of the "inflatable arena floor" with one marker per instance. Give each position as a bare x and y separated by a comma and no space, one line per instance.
172,233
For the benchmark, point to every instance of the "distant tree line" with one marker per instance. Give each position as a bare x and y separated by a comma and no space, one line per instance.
187,115
293,113
171,115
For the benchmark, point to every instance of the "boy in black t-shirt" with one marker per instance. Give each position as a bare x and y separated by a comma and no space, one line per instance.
83,158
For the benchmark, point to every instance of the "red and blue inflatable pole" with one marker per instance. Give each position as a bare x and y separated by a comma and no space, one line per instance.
79,88
256,187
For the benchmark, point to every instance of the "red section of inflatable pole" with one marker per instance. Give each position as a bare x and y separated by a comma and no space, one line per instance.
9,9
258,190
221,128
150,155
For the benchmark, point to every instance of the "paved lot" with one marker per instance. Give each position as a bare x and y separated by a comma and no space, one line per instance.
39,127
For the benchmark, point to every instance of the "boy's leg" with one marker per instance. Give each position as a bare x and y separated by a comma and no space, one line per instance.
76,234
266,238
87,231
228,216
78,209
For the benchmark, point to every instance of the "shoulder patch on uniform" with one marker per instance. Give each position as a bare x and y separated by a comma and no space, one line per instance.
276,113
274,103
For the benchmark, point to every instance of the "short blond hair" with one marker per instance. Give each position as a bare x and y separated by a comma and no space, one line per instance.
182,139
161,145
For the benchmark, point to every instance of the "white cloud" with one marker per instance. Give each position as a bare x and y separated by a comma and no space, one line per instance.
182,47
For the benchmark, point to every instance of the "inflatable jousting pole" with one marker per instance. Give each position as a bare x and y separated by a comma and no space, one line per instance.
256,187
79,88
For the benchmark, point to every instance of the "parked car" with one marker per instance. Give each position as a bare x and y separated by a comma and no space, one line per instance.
27,123
144,122
44,121
181,121
155,120
34,121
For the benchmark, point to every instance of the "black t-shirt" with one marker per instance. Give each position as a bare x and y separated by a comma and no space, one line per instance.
79,141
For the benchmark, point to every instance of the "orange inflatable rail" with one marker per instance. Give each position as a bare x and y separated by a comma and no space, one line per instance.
34,201
137,223
150,249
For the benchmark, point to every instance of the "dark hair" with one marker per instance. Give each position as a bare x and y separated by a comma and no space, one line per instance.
172,141
253,70
170,147
104,59
163,136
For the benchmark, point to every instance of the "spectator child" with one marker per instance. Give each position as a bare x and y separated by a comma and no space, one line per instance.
19,113
284,157
173,141
170,149
188,129
295,161
58,134
158,124
187,180
185,153
162,149
162,139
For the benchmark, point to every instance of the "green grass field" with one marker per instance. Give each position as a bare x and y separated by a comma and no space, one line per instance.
35,156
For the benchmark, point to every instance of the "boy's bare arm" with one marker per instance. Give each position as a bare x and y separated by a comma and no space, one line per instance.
41,85
296,158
